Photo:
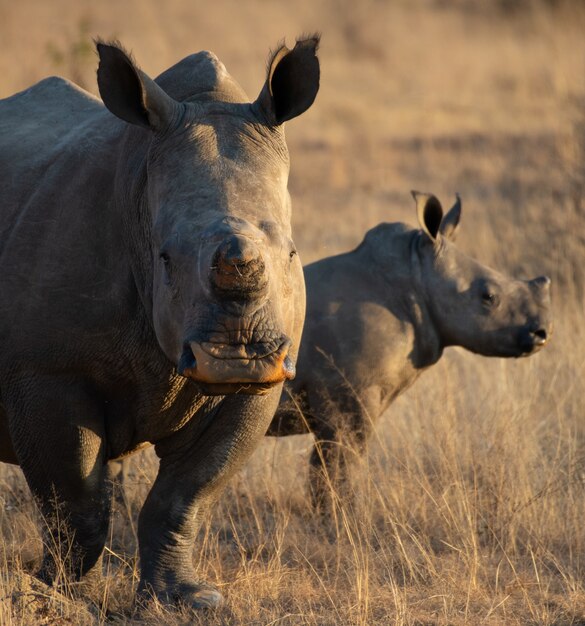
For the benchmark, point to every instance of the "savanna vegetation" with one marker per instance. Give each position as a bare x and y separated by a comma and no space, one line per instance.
469,507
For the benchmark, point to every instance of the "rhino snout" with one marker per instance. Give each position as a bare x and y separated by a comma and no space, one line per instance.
238,269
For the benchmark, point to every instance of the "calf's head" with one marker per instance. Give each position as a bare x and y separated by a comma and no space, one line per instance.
223,277
472,305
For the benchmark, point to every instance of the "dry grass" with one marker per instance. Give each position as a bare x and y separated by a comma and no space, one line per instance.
469,507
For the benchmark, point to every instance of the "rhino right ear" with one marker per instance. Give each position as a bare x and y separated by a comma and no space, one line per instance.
450,223
429,212
129,93
292,82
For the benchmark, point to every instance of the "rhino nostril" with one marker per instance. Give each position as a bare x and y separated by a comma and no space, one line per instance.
288,368
186,361
541,282
540,336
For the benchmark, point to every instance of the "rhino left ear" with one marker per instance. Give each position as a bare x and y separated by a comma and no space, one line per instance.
429,212
293,81
129,93
450,223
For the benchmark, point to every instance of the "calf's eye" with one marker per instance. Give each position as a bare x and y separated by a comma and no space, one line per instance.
489,299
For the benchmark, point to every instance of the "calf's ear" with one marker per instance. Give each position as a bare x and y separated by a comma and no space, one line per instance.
450,223
129,93
292,82
429,212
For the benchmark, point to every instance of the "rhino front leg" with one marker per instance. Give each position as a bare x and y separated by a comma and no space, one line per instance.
195,464
57,431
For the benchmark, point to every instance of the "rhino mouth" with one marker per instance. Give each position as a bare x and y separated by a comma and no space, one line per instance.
222,368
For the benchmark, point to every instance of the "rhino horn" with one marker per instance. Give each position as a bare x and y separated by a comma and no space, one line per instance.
238,267
292,82
541,286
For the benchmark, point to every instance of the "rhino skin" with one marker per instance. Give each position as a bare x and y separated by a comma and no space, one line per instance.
150,293
380,315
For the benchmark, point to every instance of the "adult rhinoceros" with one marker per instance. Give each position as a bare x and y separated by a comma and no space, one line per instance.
149,292
377,317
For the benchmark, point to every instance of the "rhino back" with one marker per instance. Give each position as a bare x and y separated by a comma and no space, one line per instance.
365,314
37,124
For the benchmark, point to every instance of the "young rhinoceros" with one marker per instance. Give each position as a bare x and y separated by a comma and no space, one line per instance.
378,316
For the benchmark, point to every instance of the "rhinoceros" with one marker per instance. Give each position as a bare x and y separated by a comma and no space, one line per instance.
150,293
379,316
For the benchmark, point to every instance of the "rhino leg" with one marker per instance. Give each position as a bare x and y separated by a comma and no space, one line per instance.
7,454
195,464
57,431
291,417
342,427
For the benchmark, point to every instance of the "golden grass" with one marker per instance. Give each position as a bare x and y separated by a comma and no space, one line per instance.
469,506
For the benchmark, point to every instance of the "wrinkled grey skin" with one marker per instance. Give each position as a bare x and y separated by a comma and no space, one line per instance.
150,292
377,317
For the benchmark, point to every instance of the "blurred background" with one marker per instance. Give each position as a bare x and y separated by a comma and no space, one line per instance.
473,490
442,95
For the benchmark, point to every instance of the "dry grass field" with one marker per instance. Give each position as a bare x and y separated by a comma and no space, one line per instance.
470,507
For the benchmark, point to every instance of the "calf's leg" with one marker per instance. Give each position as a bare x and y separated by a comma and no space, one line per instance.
342,427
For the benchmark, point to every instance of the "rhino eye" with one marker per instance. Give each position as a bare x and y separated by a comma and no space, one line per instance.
292,254
164,257
489,299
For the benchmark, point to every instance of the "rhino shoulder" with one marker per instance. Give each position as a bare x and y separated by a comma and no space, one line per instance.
389,239
387,249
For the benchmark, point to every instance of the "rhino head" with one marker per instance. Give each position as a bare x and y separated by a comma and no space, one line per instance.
209,170
472,305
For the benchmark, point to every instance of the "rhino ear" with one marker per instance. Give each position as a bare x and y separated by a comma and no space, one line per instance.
450,223
129,93
293,81
429,212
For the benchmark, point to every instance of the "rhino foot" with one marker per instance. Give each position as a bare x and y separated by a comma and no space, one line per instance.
201,597
185,595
